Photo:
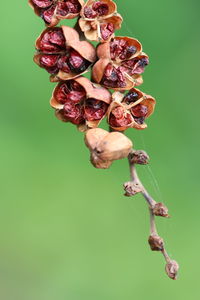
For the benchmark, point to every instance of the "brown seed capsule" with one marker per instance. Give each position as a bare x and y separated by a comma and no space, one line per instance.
156,243
121,63
61,53
106,148
171,269
131,189
160,209
81,102
130,111
52,11
99,20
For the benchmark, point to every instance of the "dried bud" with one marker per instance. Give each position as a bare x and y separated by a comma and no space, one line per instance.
156,243
139,157
171,269
161,210
106,147
131,188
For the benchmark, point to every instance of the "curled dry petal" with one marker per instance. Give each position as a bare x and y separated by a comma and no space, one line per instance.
131,110
80,102
61,53
52,11
121,63
99,20
106,147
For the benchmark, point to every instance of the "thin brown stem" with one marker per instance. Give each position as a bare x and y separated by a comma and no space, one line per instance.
135,180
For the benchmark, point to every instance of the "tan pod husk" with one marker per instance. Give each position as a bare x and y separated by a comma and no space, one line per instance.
106,147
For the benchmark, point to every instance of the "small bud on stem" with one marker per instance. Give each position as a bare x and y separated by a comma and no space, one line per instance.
171,269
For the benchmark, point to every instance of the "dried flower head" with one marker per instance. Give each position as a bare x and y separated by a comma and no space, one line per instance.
121,63
62,54
52,11
99,20
131,110
80,102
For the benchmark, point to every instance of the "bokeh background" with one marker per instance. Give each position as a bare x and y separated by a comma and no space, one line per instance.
66,230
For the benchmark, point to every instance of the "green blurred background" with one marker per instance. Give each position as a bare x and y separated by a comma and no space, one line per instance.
66,230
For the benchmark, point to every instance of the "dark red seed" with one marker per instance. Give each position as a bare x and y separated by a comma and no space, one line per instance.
101,8
63,64
106,30
48,14
61,93
77,63
52,41
42,3
49,60
119,118
131,97
89,13
139,110
73,113
95,109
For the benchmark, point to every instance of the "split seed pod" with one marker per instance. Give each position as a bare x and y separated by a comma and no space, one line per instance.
80,102
131,110
121,61
99,20
61,53
52,11
105,147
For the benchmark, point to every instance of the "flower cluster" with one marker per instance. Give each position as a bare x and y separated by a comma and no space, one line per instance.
116,64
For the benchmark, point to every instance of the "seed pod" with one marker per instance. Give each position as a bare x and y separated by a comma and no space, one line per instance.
99,20
106,147
156,243
61,53
121,61
131,110
171,269
52,11
80,102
